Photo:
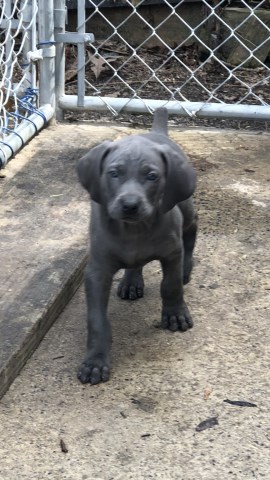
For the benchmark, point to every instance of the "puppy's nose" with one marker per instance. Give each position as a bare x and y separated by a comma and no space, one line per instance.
130,206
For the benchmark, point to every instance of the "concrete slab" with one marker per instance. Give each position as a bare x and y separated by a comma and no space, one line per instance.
43,219
142,424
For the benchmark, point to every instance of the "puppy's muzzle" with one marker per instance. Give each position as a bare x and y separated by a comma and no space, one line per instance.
130,206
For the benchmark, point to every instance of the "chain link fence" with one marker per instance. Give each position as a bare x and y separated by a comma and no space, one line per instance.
20,113
199,59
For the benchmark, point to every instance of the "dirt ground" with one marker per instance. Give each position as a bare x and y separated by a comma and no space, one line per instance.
143,423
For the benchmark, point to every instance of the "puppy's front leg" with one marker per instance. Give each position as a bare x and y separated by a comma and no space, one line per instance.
131,286
96,366
175,313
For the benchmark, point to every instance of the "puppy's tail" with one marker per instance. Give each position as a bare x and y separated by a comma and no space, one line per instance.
160,121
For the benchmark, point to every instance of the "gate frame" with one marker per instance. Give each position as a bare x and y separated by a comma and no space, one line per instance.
83,103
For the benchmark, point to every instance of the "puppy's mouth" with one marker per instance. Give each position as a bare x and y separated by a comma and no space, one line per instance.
136,217
133,218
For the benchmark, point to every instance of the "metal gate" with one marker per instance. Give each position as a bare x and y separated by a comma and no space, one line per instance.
219,58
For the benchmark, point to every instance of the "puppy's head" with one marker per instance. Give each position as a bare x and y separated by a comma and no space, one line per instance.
135,177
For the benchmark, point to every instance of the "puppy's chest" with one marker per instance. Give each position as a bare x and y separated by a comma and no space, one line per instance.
132,255
137,251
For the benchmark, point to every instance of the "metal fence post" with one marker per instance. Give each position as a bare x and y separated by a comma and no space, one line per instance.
59,27
81,52
8,46
46,43
26,6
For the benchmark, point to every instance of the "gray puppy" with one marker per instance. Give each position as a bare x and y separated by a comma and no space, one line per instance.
140,188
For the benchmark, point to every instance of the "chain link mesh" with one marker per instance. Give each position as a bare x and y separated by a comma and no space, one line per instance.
18,93
222,56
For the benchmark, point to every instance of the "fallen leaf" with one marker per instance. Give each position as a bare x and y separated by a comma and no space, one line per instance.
99,64
71,72
240,403
63,446
208,423
207,392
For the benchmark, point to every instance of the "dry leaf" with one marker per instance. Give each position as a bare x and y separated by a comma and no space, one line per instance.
71,72
240,403
99,64
63,446
207,392
208,423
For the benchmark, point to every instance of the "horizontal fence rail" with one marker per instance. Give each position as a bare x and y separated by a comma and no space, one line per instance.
21,112
199,59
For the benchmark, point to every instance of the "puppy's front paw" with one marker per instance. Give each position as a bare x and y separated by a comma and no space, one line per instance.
94,370
130,289
180,319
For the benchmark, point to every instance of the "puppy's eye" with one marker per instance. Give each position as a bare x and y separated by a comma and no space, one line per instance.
113,173
152,176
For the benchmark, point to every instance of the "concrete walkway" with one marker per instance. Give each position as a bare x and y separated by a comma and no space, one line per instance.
146,422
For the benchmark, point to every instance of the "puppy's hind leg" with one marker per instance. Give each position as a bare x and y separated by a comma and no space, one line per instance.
190,227
189,239
131,286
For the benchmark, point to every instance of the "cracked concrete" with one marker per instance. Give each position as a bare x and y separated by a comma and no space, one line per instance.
142,423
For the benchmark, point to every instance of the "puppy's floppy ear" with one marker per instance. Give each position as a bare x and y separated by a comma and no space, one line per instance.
89,169
181,178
